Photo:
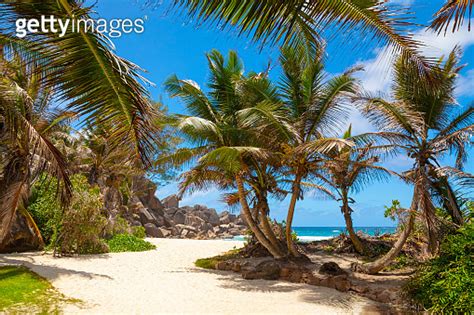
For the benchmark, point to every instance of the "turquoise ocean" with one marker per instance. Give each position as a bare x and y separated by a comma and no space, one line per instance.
316,233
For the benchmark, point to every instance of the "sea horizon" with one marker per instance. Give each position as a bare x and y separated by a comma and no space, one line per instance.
318,233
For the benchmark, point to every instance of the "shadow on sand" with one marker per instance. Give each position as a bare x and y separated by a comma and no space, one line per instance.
307,293
47,271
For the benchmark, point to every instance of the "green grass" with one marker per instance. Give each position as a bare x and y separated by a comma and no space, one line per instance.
22,290
128,243
211,262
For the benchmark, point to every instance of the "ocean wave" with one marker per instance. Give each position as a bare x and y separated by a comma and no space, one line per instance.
307,239
304,239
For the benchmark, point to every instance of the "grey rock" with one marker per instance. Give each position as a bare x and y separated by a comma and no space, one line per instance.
213,217
170,211
171,202
146,216
331,268
179,217
152,230
268,270
165,232
194,221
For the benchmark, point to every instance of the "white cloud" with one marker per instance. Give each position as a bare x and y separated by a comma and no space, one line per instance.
465,84
376,78
377,75
403,3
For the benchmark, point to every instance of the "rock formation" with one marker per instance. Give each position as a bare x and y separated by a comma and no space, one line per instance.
166,218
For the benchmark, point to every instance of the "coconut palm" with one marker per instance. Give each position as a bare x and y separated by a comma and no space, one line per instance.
454,11
317,107
27,122
425,122
347,170
221,126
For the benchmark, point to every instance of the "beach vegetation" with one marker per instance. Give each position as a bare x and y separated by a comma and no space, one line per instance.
128,243
211,262
76,228
445,284
348,169
138,231
426,125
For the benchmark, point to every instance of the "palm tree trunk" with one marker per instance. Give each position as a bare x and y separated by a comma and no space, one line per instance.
289,218
33,226
346,210
376,266
267,228
275,252
13,191
425,205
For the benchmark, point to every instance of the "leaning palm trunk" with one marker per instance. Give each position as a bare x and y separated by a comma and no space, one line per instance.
426,207
32,226
274,251
376,266
289,218
350,229
13,191
266,227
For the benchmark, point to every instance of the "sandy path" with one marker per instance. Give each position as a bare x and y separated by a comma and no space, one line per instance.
166,281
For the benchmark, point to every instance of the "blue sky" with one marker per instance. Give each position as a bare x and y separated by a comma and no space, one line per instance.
173,45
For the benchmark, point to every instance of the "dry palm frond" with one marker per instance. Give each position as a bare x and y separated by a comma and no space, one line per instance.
454,11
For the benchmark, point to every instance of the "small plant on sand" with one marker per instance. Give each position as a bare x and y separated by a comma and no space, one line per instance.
211,262
24,291
128,243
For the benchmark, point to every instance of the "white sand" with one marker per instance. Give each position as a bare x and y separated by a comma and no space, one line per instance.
166,281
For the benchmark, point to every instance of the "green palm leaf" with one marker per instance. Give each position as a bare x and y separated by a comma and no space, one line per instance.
94,82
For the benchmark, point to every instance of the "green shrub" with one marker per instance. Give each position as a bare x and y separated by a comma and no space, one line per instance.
446,284
76,229
128,243
83,223
44,208
139,231
118,226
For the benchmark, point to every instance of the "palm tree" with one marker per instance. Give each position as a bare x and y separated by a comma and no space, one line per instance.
427,131
83,72
316,107
348,169
27,122
227,146
454,11
79,69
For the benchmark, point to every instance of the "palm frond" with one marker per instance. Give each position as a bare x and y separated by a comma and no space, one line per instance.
453,11
299,22
193,97
85,73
